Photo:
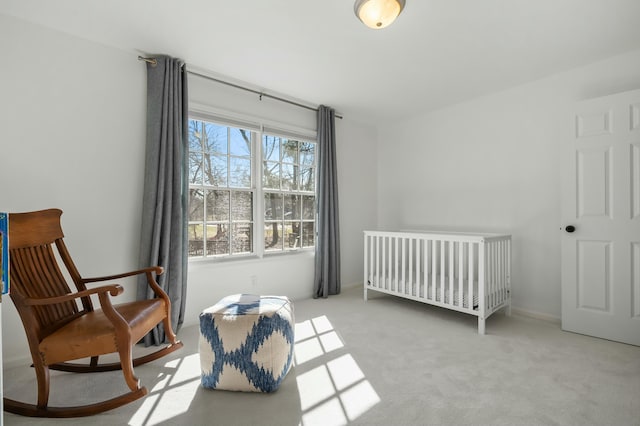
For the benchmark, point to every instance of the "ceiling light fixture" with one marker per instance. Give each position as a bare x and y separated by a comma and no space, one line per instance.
378,14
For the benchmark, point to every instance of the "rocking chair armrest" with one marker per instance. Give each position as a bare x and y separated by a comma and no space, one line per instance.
113,290
157,269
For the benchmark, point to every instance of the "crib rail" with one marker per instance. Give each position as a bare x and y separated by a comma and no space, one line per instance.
465,272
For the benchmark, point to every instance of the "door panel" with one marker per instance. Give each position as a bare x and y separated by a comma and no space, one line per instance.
594,275
635,180
635,278
601,199
593,180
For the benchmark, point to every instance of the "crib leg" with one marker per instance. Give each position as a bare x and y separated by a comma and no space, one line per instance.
507,311
365,292
480,325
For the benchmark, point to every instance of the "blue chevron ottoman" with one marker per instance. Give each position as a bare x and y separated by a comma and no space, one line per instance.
246,343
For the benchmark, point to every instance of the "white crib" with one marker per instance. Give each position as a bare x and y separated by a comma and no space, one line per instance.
469,273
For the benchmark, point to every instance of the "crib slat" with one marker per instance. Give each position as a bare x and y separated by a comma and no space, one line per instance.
471,275
490,274
450,270
425,269
416,267
381,283
434,268
383,266
409,265
394,277
493,288
442,270
498,272
395,260
365,278
371,262
498,286
419,266
482,262
502,271
461,247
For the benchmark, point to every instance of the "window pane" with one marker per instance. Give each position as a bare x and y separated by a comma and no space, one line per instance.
289,151
307,179
196,241
292,231
292,207
308,234
218,206
242,206
307,153
239,142
242,238
272,206
271,175
215,138
215,169
289,172
217,239
195,167
308,207
196,205
195,136
273,236
240,176
270,148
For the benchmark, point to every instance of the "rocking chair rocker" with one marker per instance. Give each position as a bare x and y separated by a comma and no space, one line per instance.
59,329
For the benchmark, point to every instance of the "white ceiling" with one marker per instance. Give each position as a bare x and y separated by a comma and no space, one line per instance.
438,52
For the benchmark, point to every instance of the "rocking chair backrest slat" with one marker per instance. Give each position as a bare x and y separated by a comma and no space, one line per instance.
33,274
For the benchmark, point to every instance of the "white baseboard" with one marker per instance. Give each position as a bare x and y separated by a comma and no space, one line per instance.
16,362
352,285
537,315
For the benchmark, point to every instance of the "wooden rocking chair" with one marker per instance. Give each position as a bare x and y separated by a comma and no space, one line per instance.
59,329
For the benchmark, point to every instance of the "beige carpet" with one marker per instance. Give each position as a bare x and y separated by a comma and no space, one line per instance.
384,362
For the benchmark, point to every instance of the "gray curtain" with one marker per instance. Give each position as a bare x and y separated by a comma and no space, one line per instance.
163,239
327,260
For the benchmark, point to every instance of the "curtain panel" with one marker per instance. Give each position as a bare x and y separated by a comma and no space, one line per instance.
327,255
163,239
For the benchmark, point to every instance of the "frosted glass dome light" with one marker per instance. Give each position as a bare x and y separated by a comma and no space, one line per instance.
378,14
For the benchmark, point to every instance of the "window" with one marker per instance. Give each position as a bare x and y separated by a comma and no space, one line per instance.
233,198
288,181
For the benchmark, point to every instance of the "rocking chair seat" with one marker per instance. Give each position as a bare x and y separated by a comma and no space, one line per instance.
92,333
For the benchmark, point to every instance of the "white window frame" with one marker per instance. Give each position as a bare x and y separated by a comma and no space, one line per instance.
258,127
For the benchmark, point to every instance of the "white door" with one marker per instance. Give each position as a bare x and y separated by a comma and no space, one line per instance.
601,201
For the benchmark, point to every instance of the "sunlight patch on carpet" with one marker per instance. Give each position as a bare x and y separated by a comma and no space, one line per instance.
315,338
337,391
173,394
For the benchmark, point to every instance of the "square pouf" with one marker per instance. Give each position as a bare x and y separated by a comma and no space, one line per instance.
246,343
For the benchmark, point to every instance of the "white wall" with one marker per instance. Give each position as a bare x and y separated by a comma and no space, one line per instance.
72,130
72,137
494,164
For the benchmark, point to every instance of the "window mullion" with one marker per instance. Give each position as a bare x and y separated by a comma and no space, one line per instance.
258,194
205,192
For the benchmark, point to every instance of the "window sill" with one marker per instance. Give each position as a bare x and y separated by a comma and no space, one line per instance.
248,258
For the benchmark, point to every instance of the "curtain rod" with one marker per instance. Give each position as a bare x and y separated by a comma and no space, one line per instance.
153,62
